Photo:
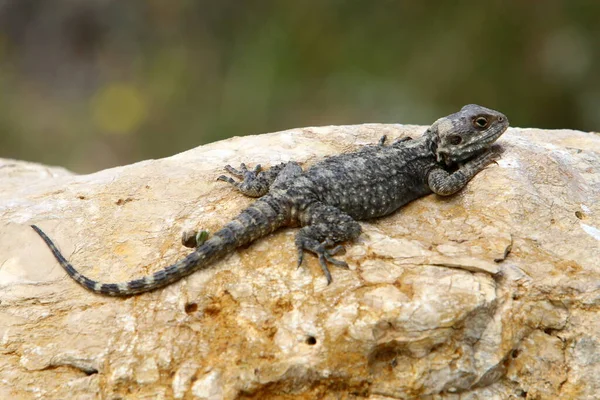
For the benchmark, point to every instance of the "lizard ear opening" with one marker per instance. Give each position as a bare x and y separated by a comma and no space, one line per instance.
455,140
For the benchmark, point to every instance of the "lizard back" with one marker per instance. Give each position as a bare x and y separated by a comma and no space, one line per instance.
376,180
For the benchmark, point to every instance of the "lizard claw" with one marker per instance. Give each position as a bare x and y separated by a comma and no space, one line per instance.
235,172
325,255
227,179
242,172
300,256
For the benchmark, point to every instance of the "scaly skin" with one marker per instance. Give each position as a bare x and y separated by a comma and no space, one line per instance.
329,198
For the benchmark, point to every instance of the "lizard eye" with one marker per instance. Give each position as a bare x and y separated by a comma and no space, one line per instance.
454,139
481,122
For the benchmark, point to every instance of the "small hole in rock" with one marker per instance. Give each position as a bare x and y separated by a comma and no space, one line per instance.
191,307
579,214
311,340
91,371
515,353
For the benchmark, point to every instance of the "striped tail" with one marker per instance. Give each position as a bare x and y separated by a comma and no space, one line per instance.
261,218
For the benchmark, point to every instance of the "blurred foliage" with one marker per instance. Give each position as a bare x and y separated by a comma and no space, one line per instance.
97,83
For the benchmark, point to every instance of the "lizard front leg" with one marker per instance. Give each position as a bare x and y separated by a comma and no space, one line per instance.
324,227
446,183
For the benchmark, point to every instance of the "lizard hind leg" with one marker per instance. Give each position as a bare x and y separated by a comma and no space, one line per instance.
256,182
325,226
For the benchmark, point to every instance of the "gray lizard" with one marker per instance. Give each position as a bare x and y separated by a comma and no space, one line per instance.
328,199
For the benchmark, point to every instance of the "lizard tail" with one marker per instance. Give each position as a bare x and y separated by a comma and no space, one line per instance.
261,218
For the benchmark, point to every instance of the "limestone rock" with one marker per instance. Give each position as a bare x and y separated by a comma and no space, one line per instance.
490,294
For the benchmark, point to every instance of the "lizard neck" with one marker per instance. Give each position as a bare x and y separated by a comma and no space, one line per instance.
431,140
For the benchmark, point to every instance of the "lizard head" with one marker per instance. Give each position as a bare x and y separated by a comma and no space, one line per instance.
467,133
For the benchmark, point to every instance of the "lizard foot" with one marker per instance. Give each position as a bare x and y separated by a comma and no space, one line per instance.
254,183
243,173
324,253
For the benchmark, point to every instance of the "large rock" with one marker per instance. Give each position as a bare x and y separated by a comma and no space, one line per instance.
490,294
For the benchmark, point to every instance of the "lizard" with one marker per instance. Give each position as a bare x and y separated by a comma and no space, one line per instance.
329,198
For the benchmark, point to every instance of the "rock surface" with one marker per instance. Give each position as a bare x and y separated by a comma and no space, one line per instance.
490,294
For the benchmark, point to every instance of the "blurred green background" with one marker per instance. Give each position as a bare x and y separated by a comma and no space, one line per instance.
98,83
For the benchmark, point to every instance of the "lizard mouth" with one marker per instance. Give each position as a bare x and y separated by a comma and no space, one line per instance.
476,149
484,143
492,136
